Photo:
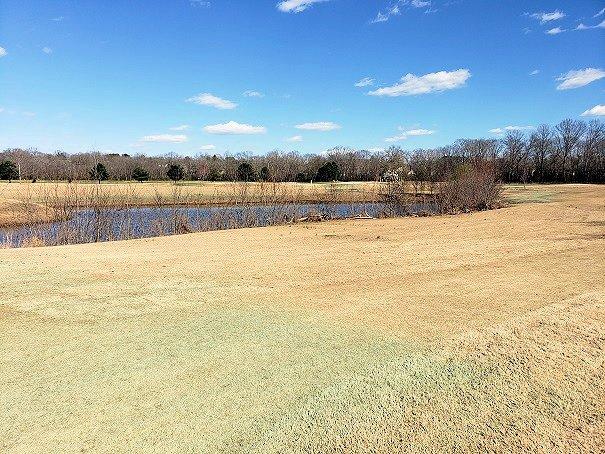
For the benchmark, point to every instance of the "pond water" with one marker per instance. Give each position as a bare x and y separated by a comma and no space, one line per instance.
94,225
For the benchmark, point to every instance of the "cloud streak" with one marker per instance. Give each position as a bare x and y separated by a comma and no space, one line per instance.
579,78
407,133
548,17
411,84
164,138
596,111
318,126
234,128
208,99
500,131
297,6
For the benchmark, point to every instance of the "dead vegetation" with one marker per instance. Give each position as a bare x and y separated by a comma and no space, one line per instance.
477,332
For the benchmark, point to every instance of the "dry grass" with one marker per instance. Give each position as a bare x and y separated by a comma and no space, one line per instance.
202,192
17,212
474,332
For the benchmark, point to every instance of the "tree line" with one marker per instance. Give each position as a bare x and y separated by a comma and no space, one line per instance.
571,151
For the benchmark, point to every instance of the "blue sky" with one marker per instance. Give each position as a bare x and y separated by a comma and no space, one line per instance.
230,76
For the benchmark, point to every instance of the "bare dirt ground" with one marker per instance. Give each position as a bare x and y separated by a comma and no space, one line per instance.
483,331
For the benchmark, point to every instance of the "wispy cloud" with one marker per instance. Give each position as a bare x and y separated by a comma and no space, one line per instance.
199,3
164,138
579,78
296,6
596,111
294,139
180,128
500,131
253,94
58,19
548,17
582,26
319,126
555,31
3,52
234,128
365,82
208,147
383,16
420,3
208,99
600,13
407,133
47,50
411,84
534,72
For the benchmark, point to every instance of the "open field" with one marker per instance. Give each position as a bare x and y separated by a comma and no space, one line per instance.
202,192
474,332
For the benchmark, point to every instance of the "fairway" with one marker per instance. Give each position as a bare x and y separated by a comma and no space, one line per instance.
473,332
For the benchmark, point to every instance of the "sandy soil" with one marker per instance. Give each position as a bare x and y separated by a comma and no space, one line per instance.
211,341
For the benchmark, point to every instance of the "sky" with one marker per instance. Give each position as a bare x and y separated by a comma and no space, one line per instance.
230,76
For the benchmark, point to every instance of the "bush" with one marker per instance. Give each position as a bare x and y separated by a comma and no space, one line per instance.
175,172
8,170
99,173
328,172
139,174
245,172
470,188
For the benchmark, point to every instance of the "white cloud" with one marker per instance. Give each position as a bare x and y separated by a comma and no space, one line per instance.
555,31
58,19
406,133
579,78
510,128
164,138
47,50
208,147
433,82
294,139
319,126
596,111
180,128
420,3
199,3
365,82
548,17
534,72
3,52
296,6
208,99
582,26
393,10
233,127
600,13
253,94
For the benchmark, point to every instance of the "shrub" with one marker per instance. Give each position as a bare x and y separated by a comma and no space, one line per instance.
245,172
99,173
328,172
8,170
471,188
139,174
175,172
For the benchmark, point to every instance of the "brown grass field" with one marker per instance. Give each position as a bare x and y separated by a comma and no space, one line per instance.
26,202
481,332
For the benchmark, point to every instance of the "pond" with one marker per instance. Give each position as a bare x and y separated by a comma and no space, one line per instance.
94,225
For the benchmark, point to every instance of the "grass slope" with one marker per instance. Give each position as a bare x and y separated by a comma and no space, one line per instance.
472,332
